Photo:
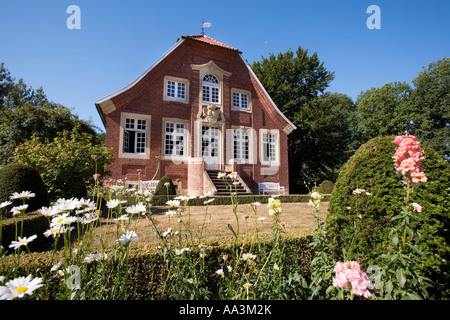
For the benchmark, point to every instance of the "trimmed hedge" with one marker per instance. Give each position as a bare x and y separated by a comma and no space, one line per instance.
326,187
147,269
161,189
18,177
34,223
242,199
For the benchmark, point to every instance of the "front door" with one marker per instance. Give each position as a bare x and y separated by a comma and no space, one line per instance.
210,147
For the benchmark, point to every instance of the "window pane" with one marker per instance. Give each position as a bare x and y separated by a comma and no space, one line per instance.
244,101
235,100
141,124
170,89
181,91
140,142
129,123
214,94
210,79
206,95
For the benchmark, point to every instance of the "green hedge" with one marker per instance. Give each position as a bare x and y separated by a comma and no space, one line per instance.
33,224
244,199
147,268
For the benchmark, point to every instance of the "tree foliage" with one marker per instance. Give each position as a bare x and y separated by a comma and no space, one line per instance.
319,144
66,163
422,109
429,104
381,111
25,112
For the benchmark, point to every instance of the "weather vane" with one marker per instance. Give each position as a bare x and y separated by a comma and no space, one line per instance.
205,25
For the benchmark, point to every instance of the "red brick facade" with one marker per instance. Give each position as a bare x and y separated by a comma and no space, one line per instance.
146,98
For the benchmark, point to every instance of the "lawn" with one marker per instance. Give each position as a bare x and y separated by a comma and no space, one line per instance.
296,218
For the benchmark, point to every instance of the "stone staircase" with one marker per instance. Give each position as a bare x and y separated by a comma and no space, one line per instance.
223,184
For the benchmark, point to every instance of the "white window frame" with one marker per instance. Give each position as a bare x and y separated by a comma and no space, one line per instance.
210,87
240,138
175,134
274,145
178,83
240,93
125,126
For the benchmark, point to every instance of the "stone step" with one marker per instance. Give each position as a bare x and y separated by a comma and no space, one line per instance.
222,185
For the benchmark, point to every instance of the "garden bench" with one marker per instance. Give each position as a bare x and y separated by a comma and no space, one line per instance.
266,187
150,185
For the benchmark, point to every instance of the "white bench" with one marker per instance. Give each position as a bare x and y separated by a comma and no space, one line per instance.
264,187
150,185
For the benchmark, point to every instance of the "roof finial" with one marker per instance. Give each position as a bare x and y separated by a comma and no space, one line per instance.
205,25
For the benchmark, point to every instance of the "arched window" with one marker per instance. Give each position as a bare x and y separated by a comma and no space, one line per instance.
211,87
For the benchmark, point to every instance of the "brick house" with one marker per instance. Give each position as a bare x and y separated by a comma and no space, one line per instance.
196,111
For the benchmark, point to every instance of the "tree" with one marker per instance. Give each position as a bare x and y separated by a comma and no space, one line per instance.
25,112
429,106
381,111
290,80
318,147
67,163
422,109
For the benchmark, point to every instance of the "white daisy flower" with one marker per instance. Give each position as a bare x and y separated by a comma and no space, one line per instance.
22,195
166,233
358,191
173,203
19,287
114,203
247,256
56,230
255,204
22,242
5,204
221,175
62,219
94,257
57,266
247,285
136,209
171,213
49,211
123,217
127,237
232,175
19,209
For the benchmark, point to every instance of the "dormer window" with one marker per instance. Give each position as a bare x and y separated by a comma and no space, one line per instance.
211,86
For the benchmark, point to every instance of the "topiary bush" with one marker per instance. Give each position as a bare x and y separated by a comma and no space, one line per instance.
18,177
372,168
162,190
326,187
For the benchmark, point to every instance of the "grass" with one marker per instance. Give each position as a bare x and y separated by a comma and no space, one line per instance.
297,218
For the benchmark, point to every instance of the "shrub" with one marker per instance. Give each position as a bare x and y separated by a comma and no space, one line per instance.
161,189
147,273
66,164
241,199
372,168
326,187
18,177
34,224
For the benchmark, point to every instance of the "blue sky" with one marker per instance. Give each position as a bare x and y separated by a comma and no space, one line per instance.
118,40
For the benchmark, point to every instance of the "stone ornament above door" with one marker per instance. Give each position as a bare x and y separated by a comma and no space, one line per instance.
212,114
